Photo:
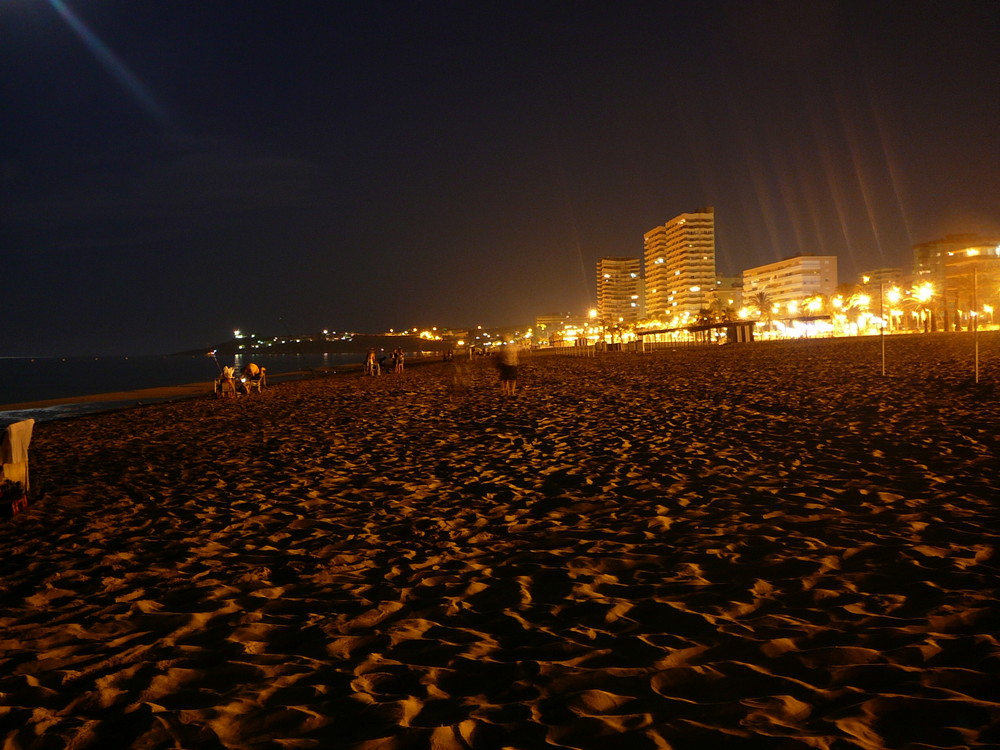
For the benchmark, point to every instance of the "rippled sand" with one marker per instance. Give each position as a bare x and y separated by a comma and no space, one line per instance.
766,546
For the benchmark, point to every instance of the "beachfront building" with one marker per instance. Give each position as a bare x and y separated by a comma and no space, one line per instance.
791,281
938,302
560,329
679,264
726,297
619,291
929,257
971,287
886,277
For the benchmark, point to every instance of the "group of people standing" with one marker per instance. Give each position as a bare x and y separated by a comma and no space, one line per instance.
374,365
253,377
506,357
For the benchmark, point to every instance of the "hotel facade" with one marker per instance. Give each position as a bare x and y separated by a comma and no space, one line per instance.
679,263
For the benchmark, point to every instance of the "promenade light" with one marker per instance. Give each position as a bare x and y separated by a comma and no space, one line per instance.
894,295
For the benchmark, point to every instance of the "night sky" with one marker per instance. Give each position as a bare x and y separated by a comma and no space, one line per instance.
171,170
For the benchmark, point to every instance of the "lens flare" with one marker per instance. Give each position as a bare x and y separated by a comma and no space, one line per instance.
111,62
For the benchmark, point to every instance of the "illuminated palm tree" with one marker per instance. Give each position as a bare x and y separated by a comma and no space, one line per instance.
763,303
817,304
721,313
860,303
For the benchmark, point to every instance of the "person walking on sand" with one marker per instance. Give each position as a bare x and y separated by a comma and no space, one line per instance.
508,361
398,358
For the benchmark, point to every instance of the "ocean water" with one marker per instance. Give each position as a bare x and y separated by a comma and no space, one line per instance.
43,378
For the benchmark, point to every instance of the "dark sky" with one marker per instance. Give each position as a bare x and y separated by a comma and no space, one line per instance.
173,169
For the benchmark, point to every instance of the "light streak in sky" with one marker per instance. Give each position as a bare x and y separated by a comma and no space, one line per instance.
850,130
823,139
111,62
573,224
894,177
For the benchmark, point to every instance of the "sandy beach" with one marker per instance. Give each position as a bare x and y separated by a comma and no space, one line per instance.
764,546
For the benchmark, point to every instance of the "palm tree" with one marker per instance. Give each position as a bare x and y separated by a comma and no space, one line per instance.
721,313
704,317
764,304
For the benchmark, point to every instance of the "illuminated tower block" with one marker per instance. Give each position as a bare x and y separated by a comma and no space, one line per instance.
619,290
680,267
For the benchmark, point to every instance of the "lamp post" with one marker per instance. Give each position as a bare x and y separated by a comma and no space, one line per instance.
975,321
593,316
881,320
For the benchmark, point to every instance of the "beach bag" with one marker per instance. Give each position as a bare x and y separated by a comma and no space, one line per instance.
13,498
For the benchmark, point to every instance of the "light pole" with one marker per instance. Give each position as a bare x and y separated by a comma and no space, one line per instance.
975,321
881,319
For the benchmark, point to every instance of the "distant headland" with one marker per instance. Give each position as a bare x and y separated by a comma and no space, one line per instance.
250,344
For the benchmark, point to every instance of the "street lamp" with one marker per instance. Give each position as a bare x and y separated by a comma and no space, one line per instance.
894,296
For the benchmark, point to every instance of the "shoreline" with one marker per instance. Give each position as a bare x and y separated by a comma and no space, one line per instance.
115,400
144,396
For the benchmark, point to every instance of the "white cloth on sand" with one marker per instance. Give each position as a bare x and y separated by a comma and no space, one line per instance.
14,451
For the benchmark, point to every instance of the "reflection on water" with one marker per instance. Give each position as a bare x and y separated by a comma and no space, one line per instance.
64,411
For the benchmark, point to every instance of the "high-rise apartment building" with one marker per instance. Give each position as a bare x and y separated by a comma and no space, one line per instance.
619,290
680,267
